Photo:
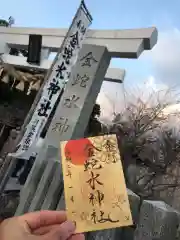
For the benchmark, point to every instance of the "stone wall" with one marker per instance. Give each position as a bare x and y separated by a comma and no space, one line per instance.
165,185
153,220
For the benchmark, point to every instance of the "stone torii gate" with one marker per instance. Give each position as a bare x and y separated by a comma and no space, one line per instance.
128,43
43,188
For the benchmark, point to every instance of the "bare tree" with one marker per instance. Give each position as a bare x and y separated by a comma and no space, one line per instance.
149,147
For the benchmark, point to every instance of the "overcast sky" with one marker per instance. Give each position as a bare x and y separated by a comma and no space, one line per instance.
155,69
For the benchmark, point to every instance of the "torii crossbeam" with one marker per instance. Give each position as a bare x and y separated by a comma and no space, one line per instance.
128,43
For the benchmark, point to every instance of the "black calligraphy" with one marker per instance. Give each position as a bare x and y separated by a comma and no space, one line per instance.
81,27
96,197
81,80
72,198
102,218
70,102
53,88
94,217
60,70
90,148
62,126
74,40
110,152
94,180
92,163
67,55
109,146
68,155
106,219
44,107
69,174
29,136
88,60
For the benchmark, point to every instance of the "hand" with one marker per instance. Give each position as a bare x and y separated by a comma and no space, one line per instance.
43,225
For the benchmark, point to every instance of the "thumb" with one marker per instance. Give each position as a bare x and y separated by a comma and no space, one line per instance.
62,232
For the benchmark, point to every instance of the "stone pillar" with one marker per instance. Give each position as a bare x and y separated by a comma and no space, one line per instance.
45,52
4,48
70,120
157,221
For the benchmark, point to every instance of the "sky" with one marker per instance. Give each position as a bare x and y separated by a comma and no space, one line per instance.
156,69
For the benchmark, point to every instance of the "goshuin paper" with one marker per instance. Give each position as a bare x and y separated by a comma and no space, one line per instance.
95,190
